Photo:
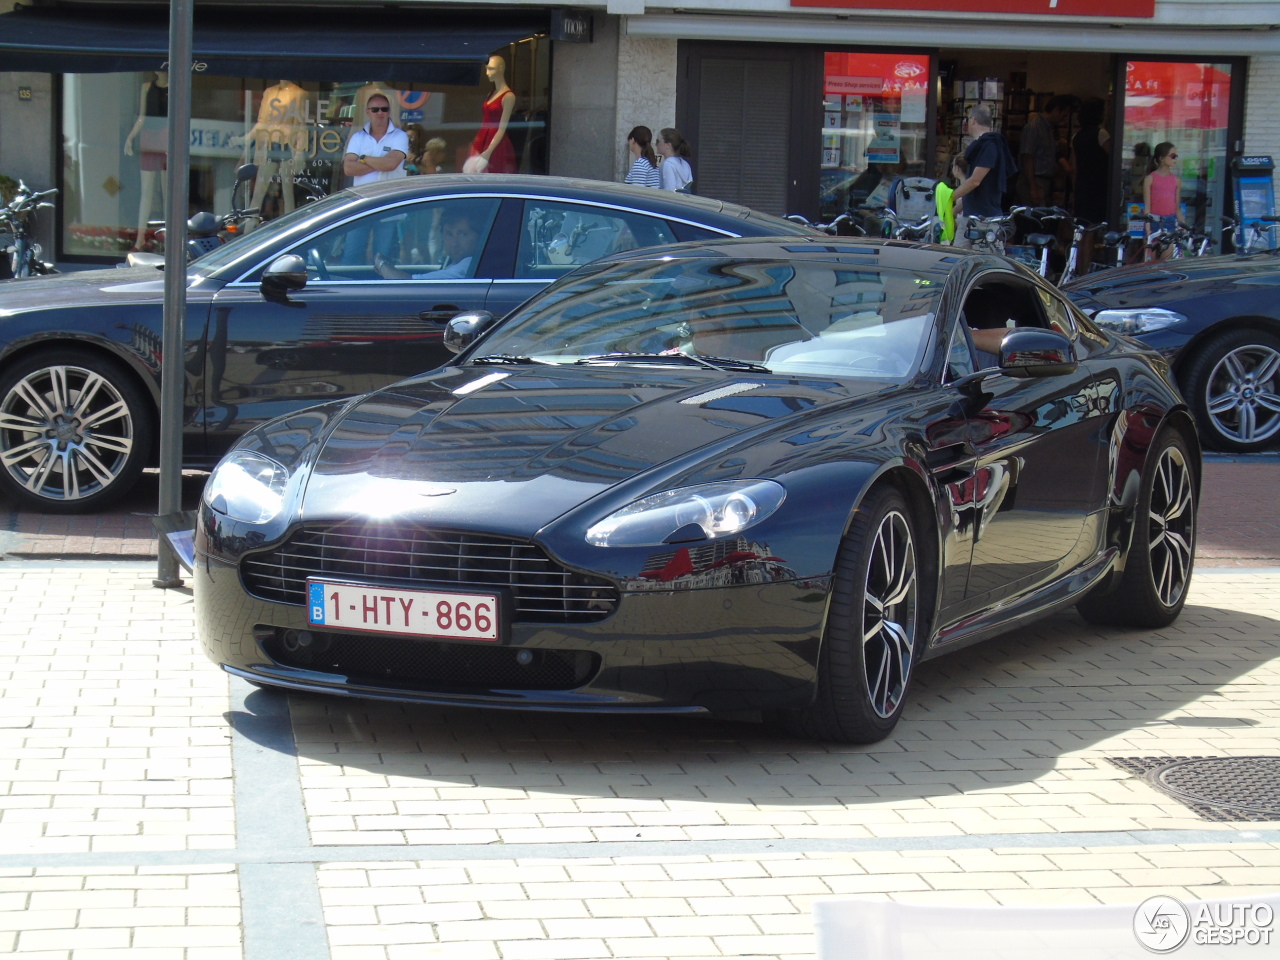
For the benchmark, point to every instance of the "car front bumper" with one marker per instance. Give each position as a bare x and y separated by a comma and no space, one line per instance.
730,649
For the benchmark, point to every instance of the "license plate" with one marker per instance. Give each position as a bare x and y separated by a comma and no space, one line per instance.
416,613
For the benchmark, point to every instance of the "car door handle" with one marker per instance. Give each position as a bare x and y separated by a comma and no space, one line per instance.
440,313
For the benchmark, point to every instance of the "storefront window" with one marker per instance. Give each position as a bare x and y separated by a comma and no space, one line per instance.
1186,105
874,126
115,137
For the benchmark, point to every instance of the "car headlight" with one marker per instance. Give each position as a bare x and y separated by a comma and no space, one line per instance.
247,486
1141,320
689,513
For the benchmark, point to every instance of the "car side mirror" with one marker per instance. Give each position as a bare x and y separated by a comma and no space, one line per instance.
1036,353
285,274
465,328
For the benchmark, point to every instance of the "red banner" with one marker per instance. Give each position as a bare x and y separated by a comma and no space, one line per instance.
1064,8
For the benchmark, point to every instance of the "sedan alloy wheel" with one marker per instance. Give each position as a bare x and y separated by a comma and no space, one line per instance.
71,433
1234,384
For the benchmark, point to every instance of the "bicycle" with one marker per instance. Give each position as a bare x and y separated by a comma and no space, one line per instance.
842,226
1172,244
1257,232
926,229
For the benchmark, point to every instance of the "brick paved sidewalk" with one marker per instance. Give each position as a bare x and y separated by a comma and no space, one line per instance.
151,808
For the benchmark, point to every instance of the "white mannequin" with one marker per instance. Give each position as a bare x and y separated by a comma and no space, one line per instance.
282,123
152,162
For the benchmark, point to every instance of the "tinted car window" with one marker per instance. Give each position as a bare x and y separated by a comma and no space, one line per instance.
811,317
557,237
434,239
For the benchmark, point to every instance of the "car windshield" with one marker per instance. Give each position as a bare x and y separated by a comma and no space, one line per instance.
267,232
791,316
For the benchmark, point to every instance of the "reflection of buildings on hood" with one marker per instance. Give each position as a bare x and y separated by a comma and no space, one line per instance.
720,563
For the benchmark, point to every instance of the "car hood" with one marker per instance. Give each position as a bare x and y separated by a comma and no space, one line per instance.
82,287
510,451
1173,281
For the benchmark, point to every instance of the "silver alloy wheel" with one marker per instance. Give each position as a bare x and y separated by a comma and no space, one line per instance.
889,614
1242,394
1171,525
66,432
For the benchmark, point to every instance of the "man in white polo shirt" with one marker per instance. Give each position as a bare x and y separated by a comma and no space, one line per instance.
376,151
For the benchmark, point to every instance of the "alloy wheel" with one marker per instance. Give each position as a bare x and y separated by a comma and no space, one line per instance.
1171,526
66,432
1242,395
889,614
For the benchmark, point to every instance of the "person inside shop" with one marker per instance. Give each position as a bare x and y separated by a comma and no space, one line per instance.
644,165
1038,152
460,238
990,164
376,151
674,171
1090,168
152,126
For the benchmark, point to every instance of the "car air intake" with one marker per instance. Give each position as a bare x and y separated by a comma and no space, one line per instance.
542,591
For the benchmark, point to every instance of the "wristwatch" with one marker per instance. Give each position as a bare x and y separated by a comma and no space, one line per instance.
361,157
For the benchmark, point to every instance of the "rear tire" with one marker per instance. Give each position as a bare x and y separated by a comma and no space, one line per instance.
1153,588
873,628
75,431
1233,384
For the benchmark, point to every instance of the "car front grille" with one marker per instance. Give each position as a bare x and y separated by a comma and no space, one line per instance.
542,591
438,665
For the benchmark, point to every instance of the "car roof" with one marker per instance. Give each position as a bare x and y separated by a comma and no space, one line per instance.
660,201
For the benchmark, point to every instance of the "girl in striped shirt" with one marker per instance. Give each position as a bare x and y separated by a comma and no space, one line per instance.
644,170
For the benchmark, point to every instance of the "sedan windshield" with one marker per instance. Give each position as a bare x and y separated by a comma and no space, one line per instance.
235,249
802,316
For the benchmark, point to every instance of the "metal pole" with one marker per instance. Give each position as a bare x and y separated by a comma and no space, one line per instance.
173,371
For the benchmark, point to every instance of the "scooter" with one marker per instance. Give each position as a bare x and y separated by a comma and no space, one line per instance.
16,222
205,231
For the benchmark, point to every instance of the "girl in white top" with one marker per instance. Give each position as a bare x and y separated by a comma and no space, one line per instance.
675,172
644,170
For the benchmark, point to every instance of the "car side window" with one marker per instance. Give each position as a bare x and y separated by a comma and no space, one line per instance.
431,240
555,237
959,354
1057,313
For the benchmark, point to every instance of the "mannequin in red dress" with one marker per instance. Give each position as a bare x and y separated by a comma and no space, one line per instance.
492,142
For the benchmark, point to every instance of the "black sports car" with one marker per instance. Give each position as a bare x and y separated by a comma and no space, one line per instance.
385,266
734,477
1217,321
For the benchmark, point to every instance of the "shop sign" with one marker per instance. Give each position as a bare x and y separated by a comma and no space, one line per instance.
572,26
1066,8
859,86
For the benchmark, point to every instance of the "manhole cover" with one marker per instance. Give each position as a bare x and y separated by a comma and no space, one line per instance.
1241,783
1221,789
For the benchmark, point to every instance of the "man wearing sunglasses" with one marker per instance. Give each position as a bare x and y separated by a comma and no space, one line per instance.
377,150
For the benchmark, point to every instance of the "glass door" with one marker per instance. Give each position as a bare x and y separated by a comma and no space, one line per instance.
874,127
1184,109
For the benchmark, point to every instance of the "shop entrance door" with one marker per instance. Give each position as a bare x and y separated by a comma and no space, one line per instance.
1195,106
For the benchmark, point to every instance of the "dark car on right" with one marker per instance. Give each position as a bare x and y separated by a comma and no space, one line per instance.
1217,322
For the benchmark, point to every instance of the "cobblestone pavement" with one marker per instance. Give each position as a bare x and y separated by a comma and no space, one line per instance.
152,808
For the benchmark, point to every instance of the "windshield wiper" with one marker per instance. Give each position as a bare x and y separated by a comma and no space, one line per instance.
505,358
721,364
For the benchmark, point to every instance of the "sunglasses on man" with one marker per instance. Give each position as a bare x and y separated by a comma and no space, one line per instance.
378,109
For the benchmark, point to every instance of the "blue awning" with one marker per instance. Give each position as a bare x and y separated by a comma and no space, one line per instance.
295,43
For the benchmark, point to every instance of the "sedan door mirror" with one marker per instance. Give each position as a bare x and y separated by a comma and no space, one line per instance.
285,274
465,328
1029,352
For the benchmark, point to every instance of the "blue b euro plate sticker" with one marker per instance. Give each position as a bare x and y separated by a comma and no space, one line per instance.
315,603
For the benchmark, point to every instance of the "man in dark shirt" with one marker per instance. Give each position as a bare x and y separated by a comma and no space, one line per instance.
990,164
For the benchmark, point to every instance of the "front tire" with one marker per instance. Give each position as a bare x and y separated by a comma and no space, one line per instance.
1234,388
75,432
1157,573
873,628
